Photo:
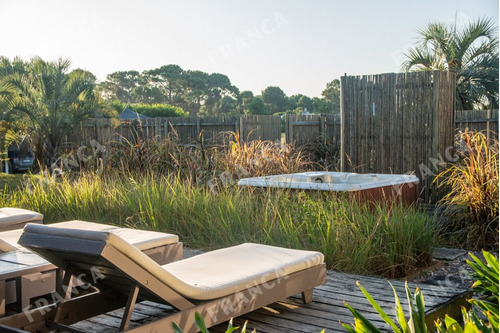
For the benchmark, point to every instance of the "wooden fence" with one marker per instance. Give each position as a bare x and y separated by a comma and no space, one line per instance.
478,120
299,129
303,129
186,130
254,127
398,123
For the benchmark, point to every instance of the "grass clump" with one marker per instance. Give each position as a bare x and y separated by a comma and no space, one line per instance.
472,200
390,241
208,165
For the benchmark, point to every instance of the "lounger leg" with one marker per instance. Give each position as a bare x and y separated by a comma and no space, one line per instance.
2,298
21,294
127,314
307,296
64,288
23,302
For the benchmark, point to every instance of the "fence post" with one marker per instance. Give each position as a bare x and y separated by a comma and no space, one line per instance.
342,125
322,133
289,128
488,116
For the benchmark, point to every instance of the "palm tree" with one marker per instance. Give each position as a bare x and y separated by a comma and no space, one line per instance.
54,100
472,53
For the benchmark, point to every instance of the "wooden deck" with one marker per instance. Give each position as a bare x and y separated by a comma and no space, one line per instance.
325,312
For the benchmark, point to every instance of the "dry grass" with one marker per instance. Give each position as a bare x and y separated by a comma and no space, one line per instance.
198,163
472,184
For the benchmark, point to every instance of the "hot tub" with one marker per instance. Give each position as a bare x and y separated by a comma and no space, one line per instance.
365,187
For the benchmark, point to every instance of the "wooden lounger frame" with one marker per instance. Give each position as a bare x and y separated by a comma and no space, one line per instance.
37,281
122,282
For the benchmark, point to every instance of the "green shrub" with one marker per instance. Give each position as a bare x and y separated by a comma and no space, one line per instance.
154,110
472,200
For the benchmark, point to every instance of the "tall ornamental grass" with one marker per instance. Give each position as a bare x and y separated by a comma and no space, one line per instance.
390,241
472,185
198,163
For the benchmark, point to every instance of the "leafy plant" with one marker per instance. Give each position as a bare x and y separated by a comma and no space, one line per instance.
55,100
415,324
486,285
472,182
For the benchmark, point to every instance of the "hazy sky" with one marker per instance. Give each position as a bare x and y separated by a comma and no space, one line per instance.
296,45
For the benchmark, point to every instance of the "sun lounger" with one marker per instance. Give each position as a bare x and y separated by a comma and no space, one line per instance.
16,218
161,247
24,275
219,285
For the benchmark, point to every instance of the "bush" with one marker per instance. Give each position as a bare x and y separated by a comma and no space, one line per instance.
154,110
472,182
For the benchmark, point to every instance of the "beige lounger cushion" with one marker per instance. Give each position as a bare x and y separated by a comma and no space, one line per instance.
210,275
10,217
226,271
141,239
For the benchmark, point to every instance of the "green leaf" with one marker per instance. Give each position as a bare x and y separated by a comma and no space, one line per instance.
176,328
200,322
452,325
493,320
492,261
348,327
482,269
490,307
419,298
414,320
440,327
377,307
400,315
361,323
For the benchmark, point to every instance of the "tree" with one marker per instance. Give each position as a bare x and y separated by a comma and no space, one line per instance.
120,85
472,53
147,94
323,106
332,94
301,102
54,99
257,106
195,90
167,79
275,99
229,106
244,99
218,87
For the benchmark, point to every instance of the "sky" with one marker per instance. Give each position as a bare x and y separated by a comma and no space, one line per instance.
298,46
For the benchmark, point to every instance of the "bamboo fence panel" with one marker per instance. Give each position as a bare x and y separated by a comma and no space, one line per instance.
397,123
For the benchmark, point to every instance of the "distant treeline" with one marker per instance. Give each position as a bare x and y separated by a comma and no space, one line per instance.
173,90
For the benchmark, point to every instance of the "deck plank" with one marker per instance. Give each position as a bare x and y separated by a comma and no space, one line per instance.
326,311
